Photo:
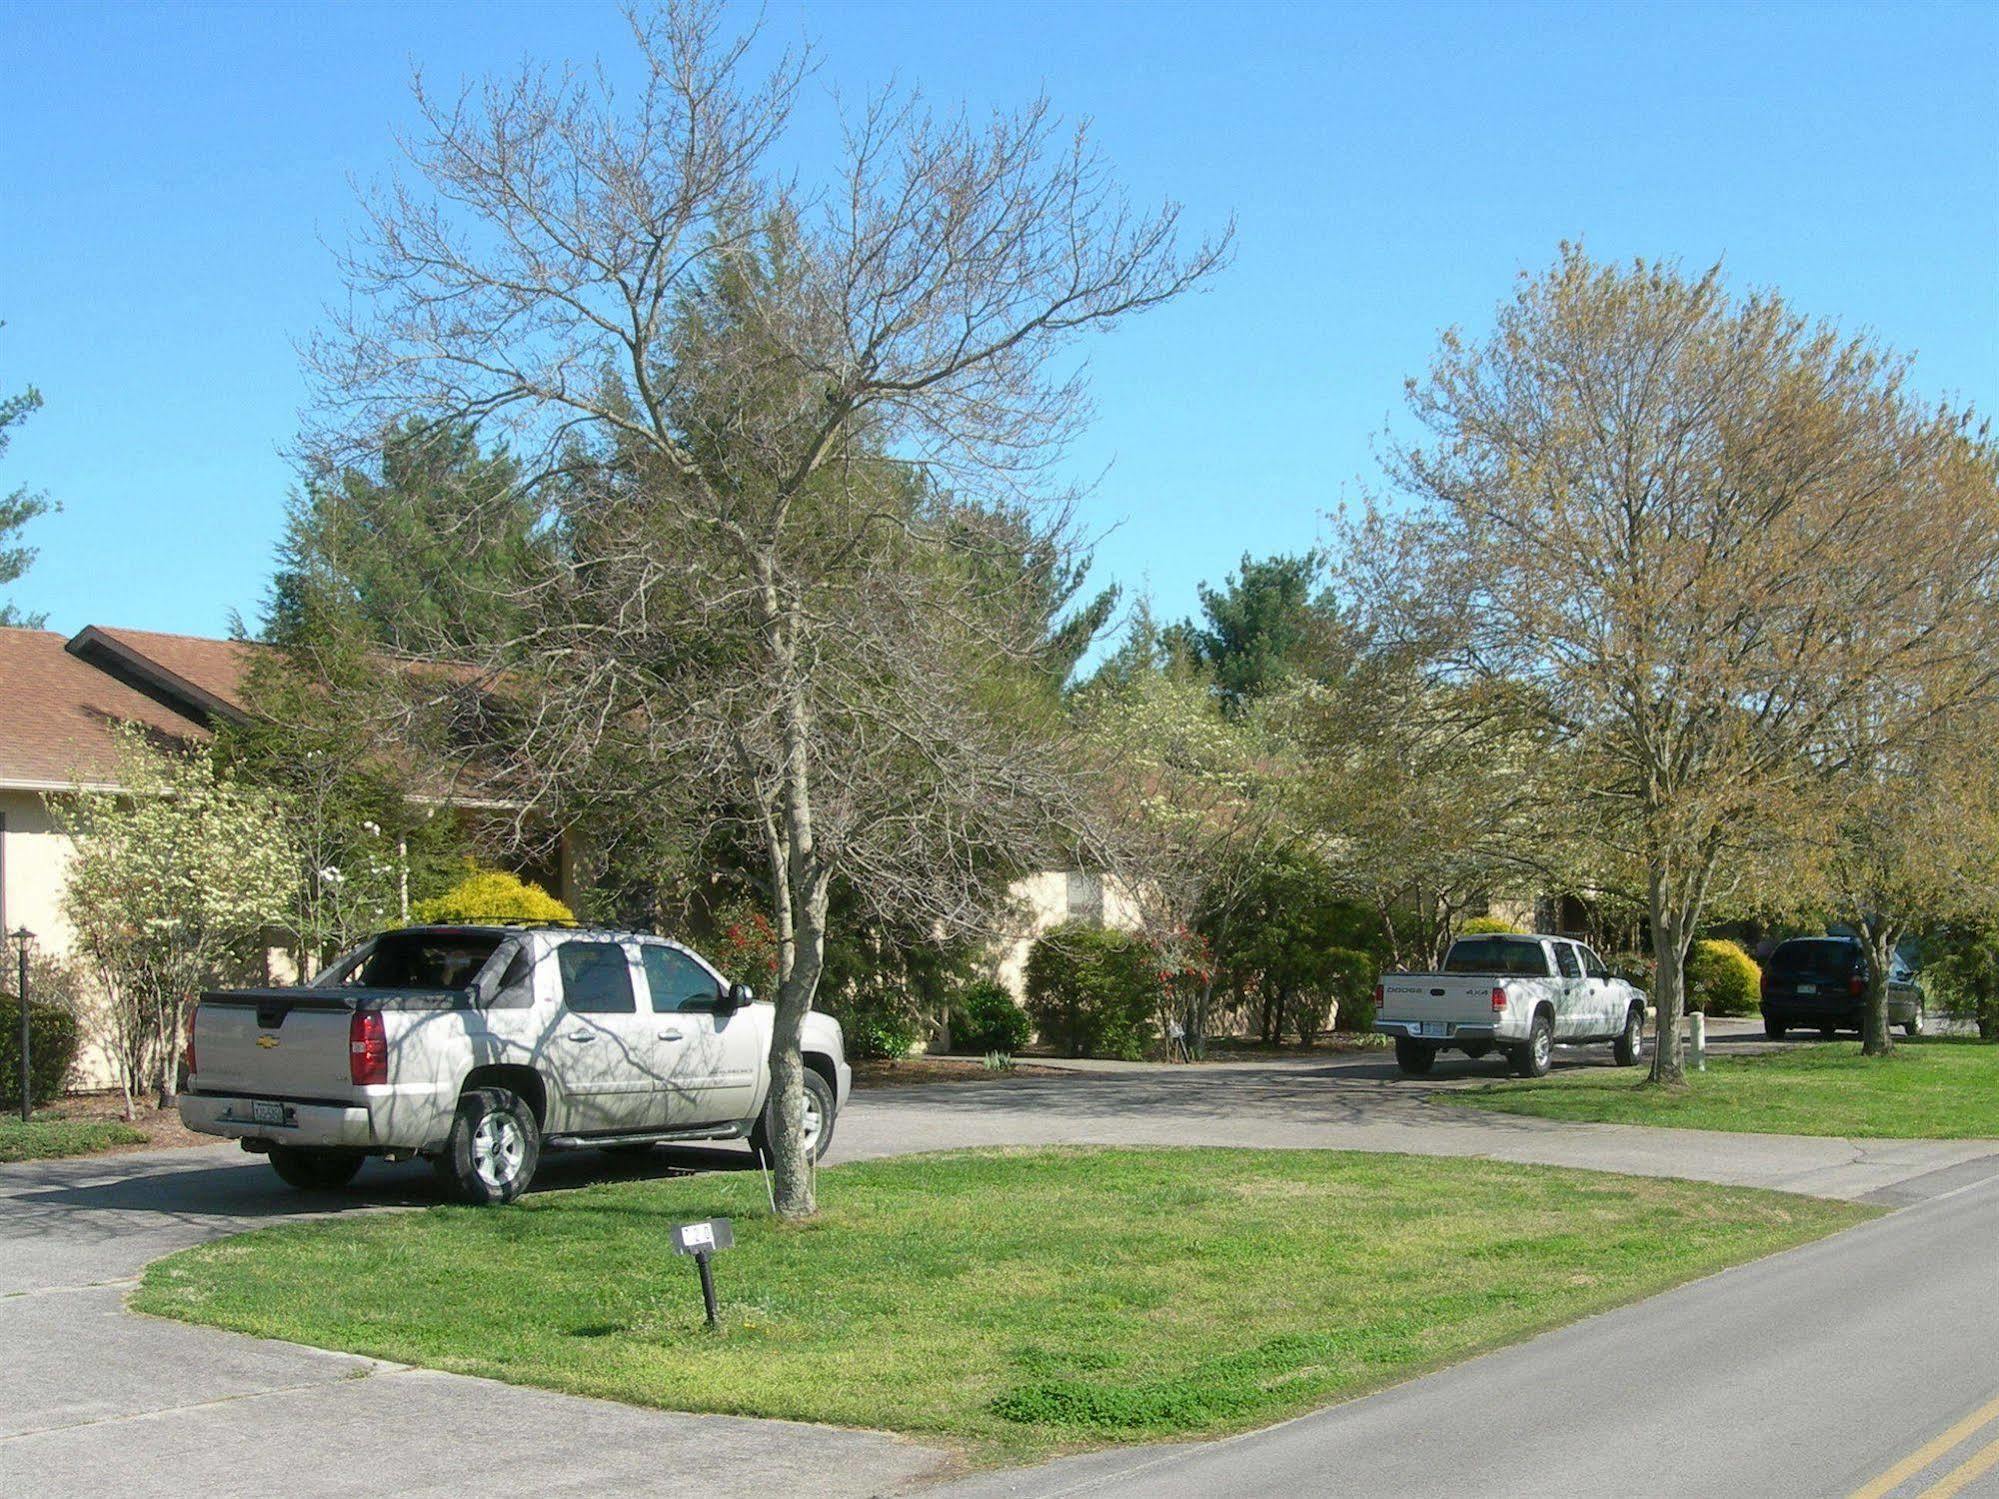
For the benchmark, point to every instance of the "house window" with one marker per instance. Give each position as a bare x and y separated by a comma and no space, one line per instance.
1086,898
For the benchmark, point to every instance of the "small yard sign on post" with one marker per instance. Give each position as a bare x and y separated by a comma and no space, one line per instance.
702,1240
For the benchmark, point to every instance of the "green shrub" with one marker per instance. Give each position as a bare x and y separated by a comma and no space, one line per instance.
878,1035
1093,992
1961,978
486,895
1488,926
1722,979
51,1051
1355,973
984,1018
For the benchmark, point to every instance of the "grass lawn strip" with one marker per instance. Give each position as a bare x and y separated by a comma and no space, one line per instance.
1933,1088
1015,1303
47,1139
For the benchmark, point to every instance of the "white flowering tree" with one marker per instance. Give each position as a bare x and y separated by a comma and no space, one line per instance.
172,887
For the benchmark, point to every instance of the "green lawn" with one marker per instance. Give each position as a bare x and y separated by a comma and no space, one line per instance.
1013,1303
1933,1088
44,1139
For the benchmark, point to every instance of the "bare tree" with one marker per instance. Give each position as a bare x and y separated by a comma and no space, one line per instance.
1695,530
793,448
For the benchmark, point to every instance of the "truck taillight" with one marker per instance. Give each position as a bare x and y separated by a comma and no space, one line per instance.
189,1053
367,1049
1498,999
1857,985
1380,995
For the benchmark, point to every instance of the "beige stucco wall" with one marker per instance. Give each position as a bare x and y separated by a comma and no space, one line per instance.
34,862
1047,900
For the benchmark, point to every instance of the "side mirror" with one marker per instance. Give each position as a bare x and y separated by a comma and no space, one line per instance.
735,997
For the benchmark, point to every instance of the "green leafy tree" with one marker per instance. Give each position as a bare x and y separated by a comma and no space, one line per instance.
1267,624
423,550
17,508
1289,936
1962,973
172,887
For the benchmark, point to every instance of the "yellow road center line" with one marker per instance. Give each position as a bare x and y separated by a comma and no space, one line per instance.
1980,1462
1929,1452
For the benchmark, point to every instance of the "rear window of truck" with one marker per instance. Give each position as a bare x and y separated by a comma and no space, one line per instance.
424,960
1515,957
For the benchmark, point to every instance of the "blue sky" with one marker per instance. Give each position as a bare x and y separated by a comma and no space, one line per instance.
170,176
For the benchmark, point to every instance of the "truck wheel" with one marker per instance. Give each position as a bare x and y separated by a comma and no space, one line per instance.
1413,1057
1915,1025
1774,1029
314,1170
1538,1054
819,1112
493,1148
1630,1043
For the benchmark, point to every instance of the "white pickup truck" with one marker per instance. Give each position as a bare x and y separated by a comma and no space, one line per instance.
1517,995
478,1047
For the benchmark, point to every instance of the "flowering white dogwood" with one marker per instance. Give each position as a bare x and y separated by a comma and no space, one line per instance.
171,888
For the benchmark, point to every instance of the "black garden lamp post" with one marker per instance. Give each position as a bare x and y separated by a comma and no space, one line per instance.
23,937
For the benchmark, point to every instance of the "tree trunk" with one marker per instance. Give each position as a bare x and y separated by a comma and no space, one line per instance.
794,1188
1197,1029
1878,941
801,885
1671,929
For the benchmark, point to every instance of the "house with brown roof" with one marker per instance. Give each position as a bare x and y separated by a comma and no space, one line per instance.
61,701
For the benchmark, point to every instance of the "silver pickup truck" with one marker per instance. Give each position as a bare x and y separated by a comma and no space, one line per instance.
1517,995
478,1047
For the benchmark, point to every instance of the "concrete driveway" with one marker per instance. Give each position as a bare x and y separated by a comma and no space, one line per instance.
94,1399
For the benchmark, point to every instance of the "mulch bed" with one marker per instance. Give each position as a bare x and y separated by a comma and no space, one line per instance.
162,1127
905,1072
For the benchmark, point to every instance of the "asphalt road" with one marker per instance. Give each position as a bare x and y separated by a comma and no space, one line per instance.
1808,1373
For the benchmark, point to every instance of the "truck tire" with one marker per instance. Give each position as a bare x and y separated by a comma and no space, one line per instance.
819,1116
314,1170
1774,1029
1915,1026
1413,1057
1537,1055
1630,1043
493,1148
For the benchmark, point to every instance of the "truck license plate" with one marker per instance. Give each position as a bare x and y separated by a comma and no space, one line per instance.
1430,1028
263,1111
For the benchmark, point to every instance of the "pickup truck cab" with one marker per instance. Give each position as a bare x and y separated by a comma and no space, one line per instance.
1517,995
478,1047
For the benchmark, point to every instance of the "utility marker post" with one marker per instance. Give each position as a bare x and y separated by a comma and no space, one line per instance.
1697,1039
702,1240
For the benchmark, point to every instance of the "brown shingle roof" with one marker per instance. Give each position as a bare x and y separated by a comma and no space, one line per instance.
195,674
57,713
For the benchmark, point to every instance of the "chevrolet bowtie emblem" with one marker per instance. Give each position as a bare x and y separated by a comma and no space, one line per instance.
267,1042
